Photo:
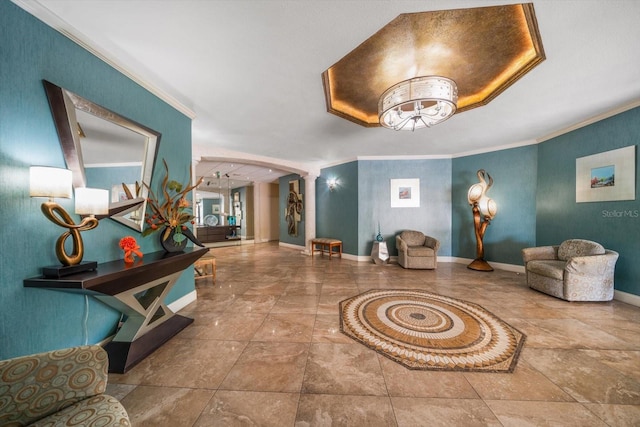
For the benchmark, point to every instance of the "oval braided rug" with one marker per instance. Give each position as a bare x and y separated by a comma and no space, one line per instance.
422,330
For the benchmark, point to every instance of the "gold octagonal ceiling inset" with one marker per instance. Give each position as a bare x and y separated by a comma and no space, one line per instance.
484,50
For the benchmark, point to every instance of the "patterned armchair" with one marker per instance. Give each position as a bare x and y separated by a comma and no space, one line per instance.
59,388
576,270
415,250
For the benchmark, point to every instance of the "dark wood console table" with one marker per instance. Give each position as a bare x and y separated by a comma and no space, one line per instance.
138,290
218,233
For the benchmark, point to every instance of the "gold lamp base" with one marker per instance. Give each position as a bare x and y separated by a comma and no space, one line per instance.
479,264
56,214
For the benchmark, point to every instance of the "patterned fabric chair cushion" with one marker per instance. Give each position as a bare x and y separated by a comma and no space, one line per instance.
57,387
96,411
578,247
547,268
420,251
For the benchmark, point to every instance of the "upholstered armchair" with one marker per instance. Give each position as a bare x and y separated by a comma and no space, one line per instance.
59,388
415,250
576,270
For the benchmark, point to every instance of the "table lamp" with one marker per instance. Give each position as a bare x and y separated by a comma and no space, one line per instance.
53,182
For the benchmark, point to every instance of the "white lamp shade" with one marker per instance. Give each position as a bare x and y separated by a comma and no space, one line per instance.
475,193
92,201
45,181
488,207
417,103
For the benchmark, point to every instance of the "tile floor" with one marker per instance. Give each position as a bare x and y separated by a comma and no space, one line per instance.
265,350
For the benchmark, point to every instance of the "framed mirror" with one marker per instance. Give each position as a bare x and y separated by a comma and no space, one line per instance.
105,150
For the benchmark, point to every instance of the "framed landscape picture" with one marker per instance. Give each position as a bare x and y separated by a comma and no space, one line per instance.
405,193
607,176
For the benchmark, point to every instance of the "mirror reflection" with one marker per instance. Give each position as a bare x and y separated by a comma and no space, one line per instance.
105,150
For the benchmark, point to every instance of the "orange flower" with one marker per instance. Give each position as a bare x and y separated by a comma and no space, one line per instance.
128,243
130,247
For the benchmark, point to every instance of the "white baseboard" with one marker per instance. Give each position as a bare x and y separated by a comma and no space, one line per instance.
497,265
291,246
183,301
627,298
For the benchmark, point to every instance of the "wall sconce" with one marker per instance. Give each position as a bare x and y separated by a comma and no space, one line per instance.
332,183
56,182
484,210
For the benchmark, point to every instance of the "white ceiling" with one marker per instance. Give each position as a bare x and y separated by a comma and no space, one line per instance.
250,70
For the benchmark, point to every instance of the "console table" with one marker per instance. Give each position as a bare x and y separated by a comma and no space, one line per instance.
138,290
218,233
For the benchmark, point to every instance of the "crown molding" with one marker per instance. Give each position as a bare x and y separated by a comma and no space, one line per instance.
40,12
610,113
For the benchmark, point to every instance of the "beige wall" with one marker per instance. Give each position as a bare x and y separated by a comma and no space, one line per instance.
248,222
266,219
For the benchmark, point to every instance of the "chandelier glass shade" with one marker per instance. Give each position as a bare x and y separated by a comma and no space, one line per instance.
418,103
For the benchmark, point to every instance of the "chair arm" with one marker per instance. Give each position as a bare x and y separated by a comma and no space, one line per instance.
540,252
52,381
401,245
432,242
592,265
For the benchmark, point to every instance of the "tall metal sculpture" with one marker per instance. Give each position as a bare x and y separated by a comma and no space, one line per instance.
484,210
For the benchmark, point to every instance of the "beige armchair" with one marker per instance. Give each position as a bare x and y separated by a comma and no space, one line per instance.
59,388
576,270
415,250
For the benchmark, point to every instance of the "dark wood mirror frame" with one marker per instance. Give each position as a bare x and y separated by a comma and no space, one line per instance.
63,105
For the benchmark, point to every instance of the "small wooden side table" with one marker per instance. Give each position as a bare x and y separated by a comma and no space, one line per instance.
205,267
326,245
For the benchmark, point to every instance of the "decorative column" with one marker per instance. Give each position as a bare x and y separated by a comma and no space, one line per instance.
309,211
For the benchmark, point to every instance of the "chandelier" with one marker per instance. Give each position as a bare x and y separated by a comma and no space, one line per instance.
417,103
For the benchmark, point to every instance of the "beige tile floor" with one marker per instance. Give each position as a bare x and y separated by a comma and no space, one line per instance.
265,349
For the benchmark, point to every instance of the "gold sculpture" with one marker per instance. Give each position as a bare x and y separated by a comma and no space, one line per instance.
63,219
484,210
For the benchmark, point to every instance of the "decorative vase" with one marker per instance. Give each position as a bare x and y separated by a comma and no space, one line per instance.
171,244
379,237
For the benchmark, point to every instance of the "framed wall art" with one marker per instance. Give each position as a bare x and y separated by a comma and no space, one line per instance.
607,176
405,193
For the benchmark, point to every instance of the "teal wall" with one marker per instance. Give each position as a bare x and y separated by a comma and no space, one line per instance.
283,193
362,200
514,172
615,224
33,320
433,217
337,210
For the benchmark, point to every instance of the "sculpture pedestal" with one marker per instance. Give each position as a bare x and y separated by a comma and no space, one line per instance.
380,253
479,264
